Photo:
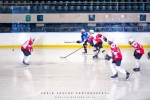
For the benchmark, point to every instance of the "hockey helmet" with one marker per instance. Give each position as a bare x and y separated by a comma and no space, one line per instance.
148,55
82,30
91,31
130,41
32,39
110,41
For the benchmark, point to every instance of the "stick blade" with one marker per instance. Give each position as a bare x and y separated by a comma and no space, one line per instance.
69,41
62,57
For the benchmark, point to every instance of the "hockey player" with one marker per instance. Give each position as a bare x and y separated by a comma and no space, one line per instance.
116,60
84,38
139,51
96,40
26,48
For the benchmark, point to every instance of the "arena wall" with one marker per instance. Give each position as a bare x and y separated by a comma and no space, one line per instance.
74,18
56,40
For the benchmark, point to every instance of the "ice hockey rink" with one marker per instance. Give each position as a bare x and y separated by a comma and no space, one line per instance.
50,78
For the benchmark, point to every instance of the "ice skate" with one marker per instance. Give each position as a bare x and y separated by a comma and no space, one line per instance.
136,69
23,62
95,57
128,75
84,52
115,76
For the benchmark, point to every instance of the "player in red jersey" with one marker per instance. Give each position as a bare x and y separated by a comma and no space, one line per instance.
116,60
139,51
27,48
96,41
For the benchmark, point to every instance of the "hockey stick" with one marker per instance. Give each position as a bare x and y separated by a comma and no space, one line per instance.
70,41
71,53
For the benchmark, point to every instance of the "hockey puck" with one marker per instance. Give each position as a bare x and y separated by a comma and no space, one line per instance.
12,49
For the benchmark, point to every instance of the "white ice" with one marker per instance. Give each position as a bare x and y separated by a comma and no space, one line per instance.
77,73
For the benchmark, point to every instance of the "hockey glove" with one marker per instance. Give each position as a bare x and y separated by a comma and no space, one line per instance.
91,44
105,39
30,50
78,41
148,55
107,57
135,53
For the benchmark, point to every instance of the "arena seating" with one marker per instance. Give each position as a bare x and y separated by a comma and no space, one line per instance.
74,27
75,6
65,6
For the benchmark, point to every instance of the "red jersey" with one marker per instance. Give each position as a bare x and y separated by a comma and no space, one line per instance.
96,38
116,53
27,45
138,48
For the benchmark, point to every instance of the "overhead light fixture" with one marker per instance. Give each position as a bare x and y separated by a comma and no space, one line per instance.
107,16
122,16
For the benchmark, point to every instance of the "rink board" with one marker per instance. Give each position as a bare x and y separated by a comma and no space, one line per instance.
56,39
67,46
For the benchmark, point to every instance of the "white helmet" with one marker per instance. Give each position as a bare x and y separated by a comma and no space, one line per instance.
82,30
130,41
32,39
91,31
